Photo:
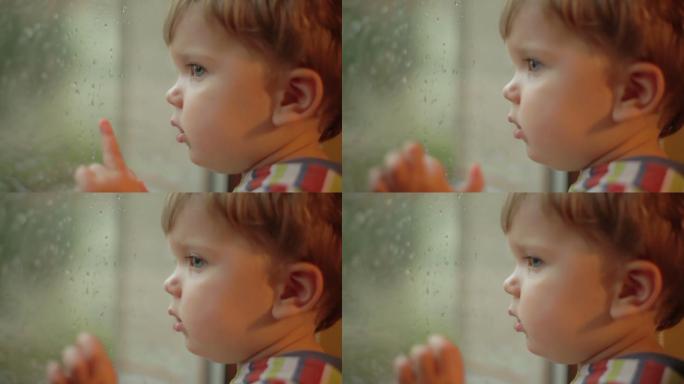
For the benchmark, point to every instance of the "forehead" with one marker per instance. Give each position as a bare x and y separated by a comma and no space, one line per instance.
196,222
535,225
197,33
534,26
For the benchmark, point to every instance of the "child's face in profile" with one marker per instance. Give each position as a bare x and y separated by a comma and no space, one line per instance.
560,95
220,288
221,100
558,296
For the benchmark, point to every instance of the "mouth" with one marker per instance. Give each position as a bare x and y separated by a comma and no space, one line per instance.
518,325
180,137
517,131
178,325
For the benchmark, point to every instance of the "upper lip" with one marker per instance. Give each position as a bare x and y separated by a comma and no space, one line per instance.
512,120
512,313
173,313
175,124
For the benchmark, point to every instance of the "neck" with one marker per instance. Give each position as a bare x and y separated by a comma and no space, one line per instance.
300,338
643,142
635,341
304,144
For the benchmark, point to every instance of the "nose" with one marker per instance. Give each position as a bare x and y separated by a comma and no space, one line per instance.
172,285
511,285
511,91
174,95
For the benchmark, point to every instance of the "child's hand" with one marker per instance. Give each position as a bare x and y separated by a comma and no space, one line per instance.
411,170
85,363
114,175
438,362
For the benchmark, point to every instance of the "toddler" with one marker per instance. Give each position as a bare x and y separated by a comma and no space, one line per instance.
259,88
257,275
596,277
596,85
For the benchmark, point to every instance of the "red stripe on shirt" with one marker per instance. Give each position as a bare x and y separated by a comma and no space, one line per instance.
311,372
616,188
653,178
595,176
256,368
314,177
652,372
259,176
598,370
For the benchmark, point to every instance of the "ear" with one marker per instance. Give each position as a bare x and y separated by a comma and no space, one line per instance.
299,290
639,92
639,289
300,97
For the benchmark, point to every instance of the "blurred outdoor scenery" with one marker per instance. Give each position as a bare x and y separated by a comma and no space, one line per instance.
89,262
65,64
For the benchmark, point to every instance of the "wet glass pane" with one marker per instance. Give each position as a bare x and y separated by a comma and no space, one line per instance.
424,264
87,262
65,65
430,71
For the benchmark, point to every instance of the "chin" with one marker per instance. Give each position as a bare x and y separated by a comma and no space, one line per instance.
545,162
192,348
558,358
225,168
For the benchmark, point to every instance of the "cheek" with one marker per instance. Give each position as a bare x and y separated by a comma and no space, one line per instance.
546,311
536,304
200,305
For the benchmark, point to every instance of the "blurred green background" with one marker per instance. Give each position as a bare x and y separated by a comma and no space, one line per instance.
57,276
94,262
58,76
399,66
65,65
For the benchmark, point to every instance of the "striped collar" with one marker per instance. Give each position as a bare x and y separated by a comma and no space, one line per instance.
304,367
297,175
638,368
636,174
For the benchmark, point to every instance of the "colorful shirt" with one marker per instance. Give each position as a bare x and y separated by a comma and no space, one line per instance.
638,174
638,368
291,368
299,175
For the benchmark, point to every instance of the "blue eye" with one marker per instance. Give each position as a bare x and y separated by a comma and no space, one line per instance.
196,262
533,65
197,70
533,262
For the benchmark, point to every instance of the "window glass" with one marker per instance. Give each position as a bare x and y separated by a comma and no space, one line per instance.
430,71
424,264
92,262
65,65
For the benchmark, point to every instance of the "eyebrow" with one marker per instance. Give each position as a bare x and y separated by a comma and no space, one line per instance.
533,244
192,244
525,48
192,57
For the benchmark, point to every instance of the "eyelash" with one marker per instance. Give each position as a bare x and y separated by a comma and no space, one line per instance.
191,259
532,260
531,62
194,67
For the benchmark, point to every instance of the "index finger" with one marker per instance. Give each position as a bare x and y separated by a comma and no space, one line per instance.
111,154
